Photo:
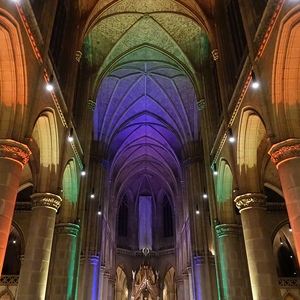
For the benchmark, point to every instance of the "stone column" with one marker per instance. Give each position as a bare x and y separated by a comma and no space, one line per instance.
111,288
62,279
286,156
180,289
13,156
261,261
34,271
235,282
186,286
91,278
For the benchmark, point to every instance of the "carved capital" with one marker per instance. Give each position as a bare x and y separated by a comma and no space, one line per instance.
250,200
199,260
228,230
91,104
201,104
93,260
67,229
78,55
46,199
14,150
285,150
215,54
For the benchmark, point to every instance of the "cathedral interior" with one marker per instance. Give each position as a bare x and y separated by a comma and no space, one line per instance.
149,149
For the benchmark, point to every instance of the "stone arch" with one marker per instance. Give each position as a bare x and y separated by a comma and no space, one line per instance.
46,152
121,288
289,296
6,295
286,77
251,149
13,85
70,191
169,285
224,193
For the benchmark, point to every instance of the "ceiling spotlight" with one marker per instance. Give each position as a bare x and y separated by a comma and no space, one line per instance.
92,194
83,173
197,210
231,137
99,211
49,86
255,83
215,169
205,196
70,137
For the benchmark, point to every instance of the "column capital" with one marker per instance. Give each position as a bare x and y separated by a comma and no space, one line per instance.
93,260
47,200
14,150
250,200
66,229
228,230
285,150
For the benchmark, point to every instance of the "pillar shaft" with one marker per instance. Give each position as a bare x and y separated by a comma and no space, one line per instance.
235,282
34,271
91,278
260,257
62,277
13,156
286,156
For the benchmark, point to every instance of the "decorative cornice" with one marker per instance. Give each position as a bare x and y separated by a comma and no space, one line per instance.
285,150
46,199
14,150
250,200
66,229
23,206
228,230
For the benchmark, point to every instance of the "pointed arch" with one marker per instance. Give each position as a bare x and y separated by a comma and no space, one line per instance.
286,77
70,187
45,137
224,193
251,148
13,82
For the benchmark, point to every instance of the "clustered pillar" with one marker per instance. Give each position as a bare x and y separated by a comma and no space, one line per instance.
286,156
64,252
235,283
34,271
261,262
13,156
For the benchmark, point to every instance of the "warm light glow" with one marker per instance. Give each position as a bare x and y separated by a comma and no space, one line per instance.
93,196
205,196
255,84
99,213
83,173
49,87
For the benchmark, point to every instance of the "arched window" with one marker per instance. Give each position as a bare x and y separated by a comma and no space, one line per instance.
167,217
12,261
286,259
123,217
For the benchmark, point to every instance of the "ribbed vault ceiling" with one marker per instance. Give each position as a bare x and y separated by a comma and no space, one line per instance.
145,59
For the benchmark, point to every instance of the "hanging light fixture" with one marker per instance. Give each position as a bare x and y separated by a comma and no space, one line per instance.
197,210
99,211
205,196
